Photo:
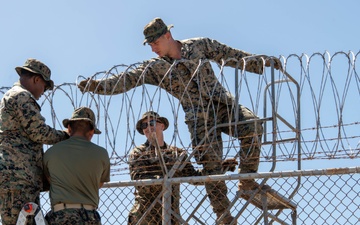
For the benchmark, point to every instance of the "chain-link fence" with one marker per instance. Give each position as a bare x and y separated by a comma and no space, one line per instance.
323,197
309,111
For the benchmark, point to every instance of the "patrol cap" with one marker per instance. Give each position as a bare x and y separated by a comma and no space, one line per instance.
151,114
82,113
35,66
155,29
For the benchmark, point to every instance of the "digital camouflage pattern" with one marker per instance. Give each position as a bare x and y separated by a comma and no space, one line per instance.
194,87
73,217
83,113
12,201
155,29
193,82
37,67
144,164
210,153
22,134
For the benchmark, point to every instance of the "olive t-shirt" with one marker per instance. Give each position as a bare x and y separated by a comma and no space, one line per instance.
76,168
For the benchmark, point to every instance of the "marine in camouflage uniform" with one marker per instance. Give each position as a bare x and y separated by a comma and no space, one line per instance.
183,69
23,132
144,164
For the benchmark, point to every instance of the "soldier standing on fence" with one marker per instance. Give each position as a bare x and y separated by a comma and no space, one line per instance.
23,132
145,164
205,101
76,169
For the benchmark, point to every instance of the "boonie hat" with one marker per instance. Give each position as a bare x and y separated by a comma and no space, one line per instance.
155,29
35,66
151,114
82,113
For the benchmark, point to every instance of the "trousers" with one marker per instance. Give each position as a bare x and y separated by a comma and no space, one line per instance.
73,217
12,201
208,146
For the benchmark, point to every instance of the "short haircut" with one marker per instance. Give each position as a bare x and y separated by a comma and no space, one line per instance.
81,126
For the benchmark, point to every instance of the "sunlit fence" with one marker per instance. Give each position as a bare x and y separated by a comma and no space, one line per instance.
310,152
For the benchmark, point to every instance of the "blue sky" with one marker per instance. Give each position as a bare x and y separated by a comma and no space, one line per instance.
84,37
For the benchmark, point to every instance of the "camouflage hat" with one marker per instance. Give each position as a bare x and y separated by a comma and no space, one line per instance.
35,66
151,114
155,29
82,113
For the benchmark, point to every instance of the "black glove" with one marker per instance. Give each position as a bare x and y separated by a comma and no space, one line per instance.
229,165
87,85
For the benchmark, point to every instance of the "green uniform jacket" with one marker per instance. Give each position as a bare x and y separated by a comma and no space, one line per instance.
144,164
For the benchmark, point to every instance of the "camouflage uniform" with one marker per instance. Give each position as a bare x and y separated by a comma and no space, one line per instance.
205,101
22,134
73,217
144,164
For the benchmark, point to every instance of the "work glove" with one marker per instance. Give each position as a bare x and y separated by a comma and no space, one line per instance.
277,63
87,85
229,165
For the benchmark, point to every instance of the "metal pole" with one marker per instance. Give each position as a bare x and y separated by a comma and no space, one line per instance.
166,209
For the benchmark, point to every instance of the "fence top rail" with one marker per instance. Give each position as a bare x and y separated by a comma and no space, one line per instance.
292,173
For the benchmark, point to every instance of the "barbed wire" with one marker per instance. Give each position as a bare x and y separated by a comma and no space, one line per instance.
316,97
328,99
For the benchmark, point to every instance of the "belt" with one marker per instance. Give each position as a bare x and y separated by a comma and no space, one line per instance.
62,206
